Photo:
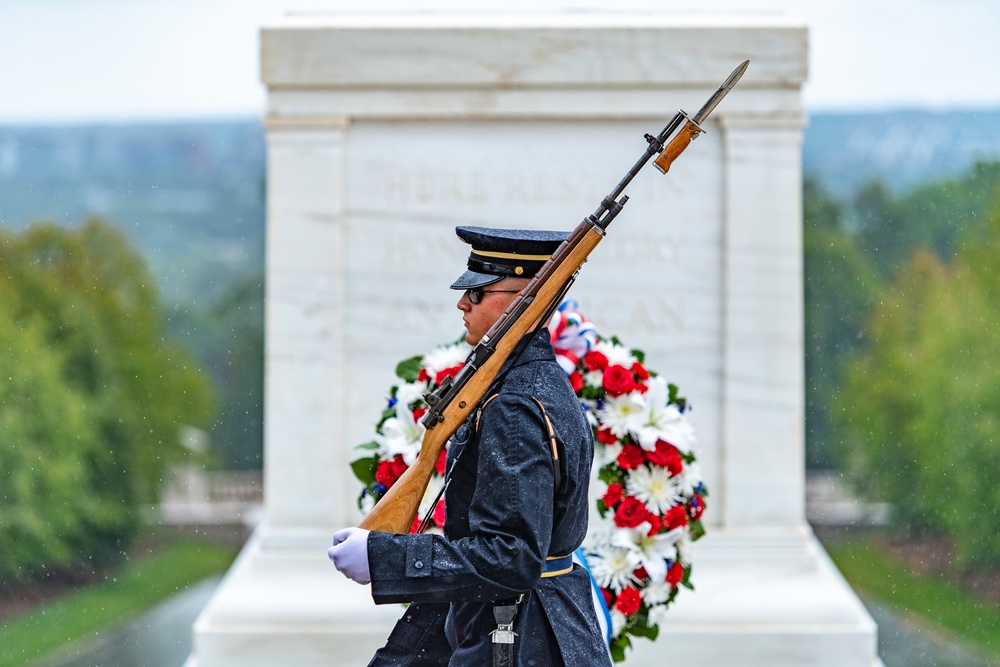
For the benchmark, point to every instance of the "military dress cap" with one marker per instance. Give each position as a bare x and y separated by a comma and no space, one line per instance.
498,253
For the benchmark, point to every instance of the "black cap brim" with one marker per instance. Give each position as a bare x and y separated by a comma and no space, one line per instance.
471,279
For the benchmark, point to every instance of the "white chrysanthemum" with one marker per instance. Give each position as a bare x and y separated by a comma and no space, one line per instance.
614,567
599,534
616,354
367,503
446,357
655,487
594,378
656,592
606,454
690,477
658,614
618,621
623,414
684,547
408,392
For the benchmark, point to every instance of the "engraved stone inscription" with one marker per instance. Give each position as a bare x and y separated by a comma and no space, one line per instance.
402,188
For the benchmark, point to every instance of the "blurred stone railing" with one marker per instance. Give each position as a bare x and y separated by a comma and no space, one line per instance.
224,502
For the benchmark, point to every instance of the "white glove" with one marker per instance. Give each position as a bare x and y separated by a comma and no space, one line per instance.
349,554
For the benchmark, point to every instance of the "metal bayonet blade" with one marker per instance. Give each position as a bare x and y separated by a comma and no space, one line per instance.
723,90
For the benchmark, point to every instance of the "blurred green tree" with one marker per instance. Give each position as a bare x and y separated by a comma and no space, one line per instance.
81,301
920,410
840,286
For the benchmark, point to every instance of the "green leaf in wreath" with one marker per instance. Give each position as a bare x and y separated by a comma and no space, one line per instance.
364,469
639,355
409,369
367,446
610,474
643,629
686,579
697,530
618,646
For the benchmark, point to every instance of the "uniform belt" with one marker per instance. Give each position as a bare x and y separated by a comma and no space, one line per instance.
556,565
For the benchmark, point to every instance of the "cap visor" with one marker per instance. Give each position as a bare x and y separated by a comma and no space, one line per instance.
471,279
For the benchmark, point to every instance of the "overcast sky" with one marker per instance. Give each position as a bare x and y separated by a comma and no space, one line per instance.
72,61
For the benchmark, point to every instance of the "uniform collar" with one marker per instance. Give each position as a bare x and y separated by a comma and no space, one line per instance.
533,347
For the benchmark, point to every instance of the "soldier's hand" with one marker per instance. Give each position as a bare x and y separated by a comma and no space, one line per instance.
349,554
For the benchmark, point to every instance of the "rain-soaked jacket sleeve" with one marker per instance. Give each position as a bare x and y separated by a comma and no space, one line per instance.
510,521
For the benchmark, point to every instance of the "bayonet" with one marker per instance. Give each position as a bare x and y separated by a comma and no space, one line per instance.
693,127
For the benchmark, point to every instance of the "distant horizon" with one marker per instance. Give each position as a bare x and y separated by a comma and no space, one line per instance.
207,119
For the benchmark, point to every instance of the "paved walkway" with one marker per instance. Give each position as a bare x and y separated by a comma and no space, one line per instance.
904,643
162,638
159,638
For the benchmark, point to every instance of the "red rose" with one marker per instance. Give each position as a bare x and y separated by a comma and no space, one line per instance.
640,371
415,526
608,596
666,456
628,601
618,380
613,495
595,361
606,436
442,462
447,373
418,413
438,516
389,471
383,473
675,517
631,457
696,507
641,388
675,574
640,573
655,524
423,375
576,381
631,512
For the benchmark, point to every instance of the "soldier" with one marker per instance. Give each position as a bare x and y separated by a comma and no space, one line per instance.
499,587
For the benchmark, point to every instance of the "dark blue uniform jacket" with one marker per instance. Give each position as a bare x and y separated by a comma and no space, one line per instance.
503,519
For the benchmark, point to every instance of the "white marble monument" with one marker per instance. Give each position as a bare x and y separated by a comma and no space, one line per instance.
384,131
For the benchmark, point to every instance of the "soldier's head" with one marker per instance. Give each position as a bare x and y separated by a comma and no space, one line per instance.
501,263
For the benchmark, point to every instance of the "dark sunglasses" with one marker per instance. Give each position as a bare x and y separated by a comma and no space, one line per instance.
476,293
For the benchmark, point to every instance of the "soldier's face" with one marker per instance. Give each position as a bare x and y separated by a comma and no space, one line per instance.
493,301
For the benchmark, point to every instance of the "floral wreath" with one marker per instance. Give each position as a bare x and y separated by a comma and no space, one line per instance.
648,489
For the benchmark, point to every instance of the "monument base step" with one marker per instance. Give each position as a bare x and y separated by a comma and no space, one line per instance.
765,598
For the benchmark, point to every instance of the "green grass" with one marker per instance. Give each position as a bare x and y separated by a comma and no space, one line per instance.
928,597
134,588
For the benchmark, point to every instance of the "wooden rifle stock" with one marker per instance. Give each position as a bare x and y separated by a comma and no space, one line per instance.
395,511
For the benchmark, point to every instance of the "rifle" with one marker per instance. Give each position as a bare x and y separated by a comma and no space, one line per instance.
453,401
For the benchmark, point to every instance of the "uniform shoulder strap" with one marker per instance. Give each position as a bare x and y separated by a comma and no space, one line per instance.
553,443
